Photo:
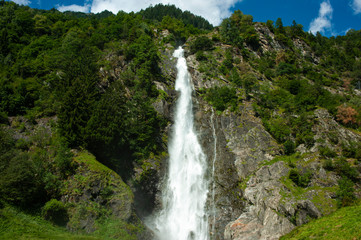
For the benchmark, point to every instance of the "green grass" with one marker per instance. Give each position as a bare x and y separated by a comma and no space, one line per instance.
344,224
18,225
93,165
290,160
15,224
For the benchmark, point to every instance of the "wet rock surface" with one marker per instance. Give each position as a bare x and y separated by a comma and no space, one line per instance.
250,193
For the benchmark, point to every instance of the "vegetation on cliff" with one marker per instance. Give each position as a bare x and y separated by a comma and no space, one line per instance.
342,224
78,88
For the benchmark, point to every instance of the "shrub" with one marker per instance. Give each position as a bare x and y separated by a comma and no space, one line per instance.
200,56
345,193
3,117
327,152
222,97
22,144
301,180
286,68
358,154
294,175
279,129
55,212
328,164
63,161
249,82
344,169
289,147
18,182
346,115
215,38
228,63
353,150
201,44
235,78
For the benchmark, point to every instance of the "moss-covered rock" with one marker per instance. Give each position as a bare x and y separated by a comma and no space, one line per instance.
94,192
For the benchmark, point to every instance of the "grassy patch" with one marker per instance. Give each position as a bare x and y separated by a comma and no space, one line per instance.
318,195
290,160
324,203
92,163
18,225
91,170
342,224
293,190
112,228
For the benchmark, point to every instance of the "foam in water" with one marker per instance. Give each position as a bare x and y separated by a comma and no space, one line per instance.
183,216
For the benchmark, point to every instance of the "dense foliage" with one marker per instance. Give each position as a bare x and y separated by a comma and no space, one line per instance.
159,11
50,65
74,81
89,80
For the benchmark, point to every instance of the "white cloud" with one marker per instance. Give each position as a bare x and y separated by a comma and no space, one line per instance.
212,10
356,6
74,8
22,2
323,21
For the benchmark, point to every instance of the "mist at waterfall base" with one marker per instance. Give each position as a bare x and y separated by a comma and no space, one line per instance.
183,215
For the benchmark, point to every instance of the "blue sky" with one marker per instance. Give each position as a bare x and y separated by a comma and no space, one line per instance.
330,17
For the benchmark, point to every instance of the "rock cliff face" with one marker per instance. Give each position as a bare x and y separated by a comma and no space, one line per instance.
251,195
235,145
243,145
253,190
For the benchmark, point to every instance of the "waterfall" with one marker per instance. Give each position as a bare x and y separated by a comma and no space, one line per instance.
183,216
213,167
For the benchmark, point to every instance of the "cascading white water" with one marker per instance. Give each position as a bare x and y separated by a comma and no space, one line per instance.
183,216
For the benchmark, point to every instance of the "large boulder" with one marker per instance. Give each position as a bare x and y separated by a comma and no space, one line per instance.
95,191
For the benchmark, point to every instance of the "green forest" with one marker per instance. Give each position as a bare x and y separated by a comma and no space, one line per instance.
76,85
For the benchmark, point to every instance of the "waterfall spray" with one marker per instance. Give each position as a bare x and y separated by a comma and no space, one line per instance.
183,216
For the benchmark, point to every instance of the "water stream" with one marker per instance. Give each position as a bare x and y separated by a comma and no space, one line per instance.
183,216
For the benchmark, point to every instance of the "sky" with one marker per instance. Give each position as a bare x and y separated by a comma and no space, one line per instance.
329,17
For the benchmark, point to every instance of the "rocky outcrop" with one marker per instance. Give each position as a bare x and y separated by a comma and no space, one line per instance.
248,140
242,145
268,43
24,129
331,134
251,195
224,199
94,190
274,204
200,80
267,213
267,39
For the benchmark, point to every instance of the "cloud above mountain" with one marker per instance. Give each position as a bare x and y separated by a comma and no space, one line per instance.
22,2
74,8
356,6
323,22
212,10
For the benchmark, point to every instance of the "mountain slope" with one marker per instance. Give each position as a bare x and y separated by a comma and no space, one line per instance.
342,224
285,107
